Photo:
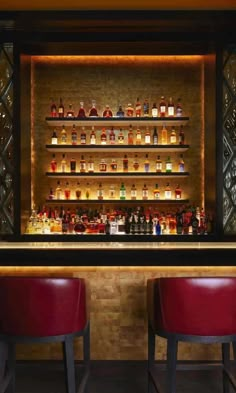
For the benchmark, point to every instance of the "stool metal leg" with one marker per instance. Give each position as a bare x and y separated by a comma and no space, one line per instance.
226,362
151,356
172,347
86,351
11,363
69,364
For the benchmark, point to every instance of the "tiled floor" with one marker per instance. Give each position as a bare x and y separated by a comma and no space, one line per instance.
111,377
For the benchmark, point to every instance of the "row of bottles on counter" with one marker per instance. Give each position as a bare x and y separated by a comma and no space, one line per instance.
187,220
120,137
123,193
88,166
165,108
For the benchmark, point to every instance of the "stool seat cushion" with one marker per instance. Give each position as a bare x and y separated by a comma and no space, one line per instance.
42,306
203,306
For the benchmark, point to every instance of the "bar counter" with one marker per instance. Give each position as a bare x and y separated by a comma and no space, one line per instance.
126,253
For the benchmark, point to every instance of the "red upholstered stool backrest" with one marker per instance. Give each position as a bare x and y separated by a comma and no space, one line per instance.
41,306
193,305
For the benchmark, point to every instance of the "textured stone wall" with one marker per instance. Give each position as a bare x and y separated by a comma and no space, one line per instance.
117,80
118,312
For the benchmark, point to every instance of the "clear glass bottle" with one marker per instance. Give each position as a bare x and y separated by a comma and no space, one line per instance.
58,193
138,137
164,135
93,137
63,135
168,192
133,192
173,139
122,192
170,108
63,164
100,192
81,113
74,136
147,137
145,192
93,111
112,192
61,109
83,137
54,138
53,164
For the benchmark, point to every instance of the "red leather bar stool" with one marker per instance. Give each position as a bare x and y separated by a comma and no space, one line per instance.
41,309
190,309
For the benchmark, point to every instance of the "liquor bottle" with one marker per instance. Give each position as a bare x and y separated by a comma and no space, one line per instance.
136,163
74,135
194,223
81,113
107,112
70,112
145,192
63,163
181,135
133,192
102,165
53,109
138,108
156,192
78,191
125,163
154,110
130,135
58,191
178,192
90,165
112,136
120,112
113,165
61,109
164,135
181,163
179,109
63,135
122,192
179,223
93,111
103,137
155,137
82,165
129,110
168,192
121,137
87,191
158,228
67,191
54,138
53,164
162,107
112,192
73,165
146,108
138,137
173,136
147,137
170,108
92,137
83,137
146,164
107,227
158,164
100,192
168,165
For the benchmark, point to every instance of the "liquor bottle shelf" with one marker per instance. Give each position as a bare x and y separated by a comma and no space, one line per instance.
117,201
114,148
117,174
116,121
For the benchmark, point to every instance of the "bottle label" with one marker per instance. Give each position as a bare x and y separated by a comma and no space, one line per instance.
54,141
147,139
92,140
158,167
154,112
163,109
168,166
146,167
156,194
171,111
74,139
145,194
103,167
90,167
168,194
133,194
173,139
181,167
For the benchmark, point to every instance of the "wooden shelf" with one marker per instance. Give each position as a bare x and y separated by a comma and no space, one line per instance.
117,174
116,148
117,201
116,121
